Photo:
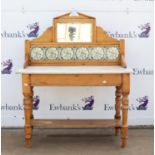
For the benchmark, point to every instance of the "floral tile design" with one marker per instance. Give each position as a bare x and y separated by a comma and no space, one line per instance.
75,53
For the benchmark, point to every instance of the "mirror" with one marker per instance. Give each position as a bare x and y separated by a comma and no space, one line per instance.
74,32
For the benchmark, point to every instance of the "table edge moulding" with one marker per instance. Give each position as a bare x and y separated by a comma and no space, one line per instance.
68,58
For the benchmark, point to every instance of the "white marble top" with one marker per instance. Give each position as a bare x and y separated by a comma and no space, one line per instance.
74,70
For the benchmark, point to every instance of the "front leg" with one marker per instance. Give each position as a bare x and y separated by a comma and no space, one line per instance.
118,95
28,103
125,102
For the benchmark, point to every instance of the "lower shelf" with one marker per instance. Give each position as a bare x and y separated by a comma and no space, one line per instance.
47,123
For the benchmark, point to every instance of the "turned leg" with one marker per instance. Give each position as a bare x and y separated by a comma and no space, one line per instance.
125,93
28,101
124,119
118,95
32,117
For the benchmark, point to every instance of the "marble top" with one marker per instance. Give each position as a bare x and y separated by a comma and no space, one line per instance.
74,70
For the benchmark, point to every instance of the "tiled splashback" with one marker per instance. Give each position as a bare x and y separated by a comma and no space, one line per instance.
75,53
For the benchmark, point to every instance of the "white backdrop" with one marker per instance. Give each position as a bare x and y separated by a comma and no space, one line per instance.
131,20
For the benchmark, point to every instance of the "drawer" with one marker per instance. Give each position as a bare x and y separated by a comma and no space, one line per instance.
75,79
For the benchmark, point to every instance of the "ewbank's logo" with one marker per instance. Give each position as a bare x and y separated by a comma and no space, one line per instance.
36,102
143,71
89,101
7,66
34,28
143,103
145,30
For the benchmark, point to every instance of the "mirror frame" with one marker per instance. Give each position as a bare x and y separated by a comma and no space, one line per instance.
75,19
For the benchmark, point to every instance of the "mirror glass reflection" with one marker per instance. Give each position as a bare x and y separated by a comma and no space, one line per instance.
74,32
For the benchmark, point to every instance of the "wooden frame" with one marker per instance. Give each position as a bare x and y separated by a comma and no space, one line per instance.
120,81
77,62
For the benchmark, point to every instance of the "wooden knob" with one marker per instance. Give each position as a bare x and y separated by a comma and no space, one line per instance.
104,81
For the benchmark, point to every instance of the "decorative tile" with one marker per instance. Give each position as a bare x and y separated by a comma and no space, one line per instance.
97,53
37,53
112,53
82,53
51,53
75,53
66,53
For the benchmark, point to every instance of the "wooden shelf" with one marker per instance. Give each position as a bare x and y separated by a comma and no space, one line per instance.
48,123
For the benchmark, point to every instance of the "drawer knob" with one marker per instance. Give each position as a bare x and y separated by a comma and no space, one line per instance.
25,84
104,81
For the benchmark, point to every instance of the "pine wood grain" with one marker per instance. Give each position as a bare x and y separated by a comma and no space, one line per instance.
47,123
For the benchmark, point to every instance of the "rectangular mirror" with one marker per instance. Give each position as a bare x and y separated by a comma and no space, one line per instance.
74,32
